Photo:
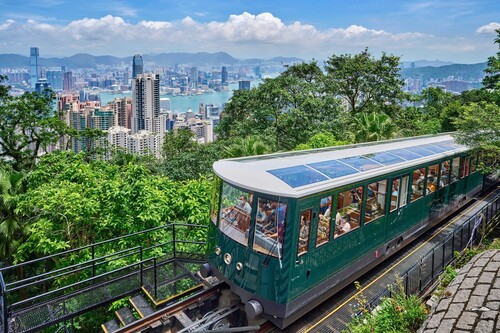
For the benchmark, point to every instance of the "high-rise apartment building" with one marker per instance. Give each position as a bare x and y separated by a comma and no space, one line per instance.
193,77
223,77
123,112
137,66
35,70
68,81
145,101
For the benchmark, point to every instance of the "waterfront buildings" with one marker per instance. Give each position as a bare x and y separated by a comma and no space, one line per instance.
244,85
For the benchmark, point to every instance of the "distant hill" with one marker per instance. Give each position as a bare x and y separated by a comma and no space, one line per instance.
85,60
426,63
466,72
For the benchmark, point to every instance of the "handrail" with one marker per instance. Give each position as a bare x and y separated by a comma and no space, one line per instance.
102,243
4,313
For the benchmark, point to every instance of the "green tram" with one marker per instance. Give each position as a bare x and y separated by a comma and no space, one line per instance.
291,229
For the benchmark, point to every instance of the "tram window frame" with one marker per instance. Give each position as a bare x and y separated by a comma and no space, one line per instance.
431,187
380,196
444,180
417,184
215,203
304,234
473,162
403,191
394,207
348,217
272,230
233,219
455,167
324,221
465,163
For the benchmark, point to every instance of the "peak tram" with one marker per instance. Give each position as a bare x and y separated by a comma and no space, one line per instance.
290,230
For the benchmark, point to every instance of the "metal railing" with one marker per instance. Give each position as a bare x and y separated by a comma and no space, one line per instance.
107,271
421,277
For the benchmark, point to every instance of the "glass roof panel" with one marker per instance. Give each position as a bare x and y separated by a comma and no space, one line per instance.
448,145
434,148
299,175
384,158
420,150
360,163
333,168
407,155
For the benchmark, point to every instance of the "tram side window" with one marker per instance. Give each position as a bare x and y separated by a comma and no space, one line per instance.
445,174
375,201
417,184
455,167
325,218
403,191
348,211
473,163
432,178
305,224
394,194
270,227
236,208
465,166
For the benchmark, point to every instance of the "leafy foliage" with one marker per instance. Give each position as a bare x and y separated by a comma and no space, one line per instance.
492,80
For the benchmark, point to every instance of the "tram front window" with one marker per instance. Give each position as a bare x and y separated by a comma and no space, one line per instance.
235,213
270,224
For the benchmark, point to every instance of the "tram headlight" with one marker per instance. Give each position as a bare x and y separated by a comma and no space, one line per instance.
227,258
218,251
239,266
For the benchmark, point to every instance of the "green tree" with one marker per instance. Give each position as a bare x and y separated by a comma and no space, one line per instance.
284,111
373,126
248,146
365,83
492,80
479,127
12,224
321,140
178,141
27,126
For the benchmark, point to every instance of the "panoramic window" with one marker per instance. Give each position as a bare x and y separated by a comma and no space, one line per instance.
305,226
235,212
444,180
417,184
465,166
375,200
455,168
394,194
270,222
348,213
324,221
403,191
432,178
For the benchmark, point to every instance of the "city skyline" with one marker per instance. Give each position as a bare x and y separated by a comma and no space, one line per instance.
462,32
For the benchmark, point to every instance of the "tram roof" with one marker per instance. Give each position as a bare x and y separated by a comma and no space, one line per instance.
301,173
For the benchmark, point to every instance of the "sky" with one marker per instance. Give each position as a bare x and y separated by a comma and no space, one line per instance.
460,31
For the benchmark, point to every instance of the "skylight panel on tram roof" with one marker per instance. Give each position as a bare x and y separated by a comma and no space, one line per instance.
385,158
333,168
434,148
420,150
448,145
360,163
406,154
297,176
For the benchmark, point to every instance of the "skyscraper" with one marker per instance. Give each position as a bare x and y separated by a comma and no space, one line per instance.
244,85
137,65
223,78
35,70
193,77
145,101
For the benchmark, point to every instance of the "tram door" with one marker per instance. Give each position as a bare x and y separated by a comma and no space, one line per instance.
307,219
396,222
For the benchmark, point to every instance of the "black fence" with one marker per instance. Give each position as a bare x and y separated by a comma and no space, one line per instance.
424,274
42,292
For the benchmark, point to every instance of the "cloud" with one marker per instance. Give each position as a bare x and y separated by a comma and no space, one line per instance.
243,35
488,28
